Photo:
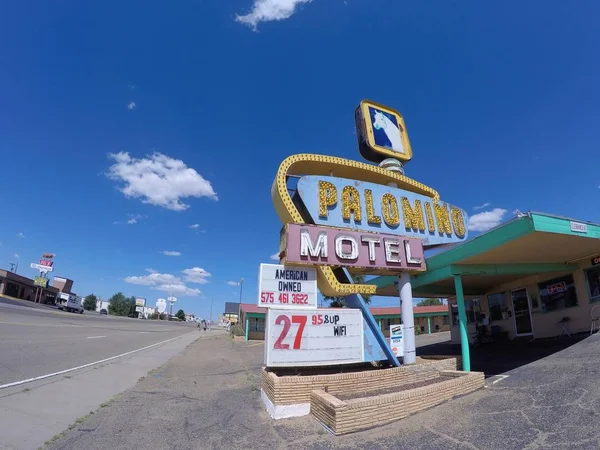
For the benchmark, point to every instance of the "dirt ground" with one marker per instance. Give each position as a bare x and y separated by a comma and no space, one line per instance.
209,398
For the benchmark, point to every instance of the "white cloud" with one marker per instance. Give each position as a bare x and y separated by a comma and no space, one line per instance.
158,180
171,253
269,10
150,270
164,282
153,279
116,222
132,221
483,221
233,283
485,205
196,275
131,106
16,255
178,289
20,235
195,226
275,256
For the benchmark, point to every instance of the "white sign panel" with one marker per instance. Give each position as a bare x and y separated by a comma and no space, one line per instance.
140,302
139,309
313,337
41,268
396,342
290,287
578,227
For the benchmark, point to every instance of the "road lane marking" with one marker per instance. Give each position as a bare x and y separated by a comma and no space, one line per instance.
48,375
95,337
500,378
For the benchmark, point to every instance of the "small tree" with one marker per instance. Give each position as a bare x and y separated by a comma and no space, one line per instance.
121,305
430,302
340,302
180,314
89,303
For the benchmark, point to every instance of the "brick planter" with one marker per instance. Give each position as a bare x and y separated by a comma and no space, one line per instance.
239,338
347,416
290,395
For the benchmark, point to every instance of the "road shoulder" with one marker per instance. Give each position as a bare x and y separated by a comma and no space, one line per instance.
33,413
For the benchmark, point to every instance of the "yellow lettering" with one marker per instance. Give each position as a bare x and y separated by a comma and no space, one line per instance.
443,220
351,203
413,217
327,197
371,217
458,221
389,209
429,214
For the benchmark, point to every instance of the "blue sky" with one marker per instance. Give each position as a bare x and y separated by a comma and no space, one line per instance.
205,99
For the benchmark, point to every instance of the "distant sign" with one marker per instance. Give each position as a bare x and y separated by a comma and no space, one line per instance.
46,262
313,337
171,299
396,342
161,305
139,309
140,302
289,287
578,227
380,253
41,268
40,281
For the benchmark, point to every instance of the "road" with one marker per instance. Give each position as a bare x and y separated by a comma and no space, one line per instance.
35,342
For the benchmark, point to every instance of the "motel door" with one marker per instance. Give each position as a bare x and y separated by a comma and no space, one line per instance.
522,312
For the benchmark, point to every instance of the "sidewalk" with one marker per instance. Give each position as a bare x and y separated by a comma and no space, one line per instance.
209,398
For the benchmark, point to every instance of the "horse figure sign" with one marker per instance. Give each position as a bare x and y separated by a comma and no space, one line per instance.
391,130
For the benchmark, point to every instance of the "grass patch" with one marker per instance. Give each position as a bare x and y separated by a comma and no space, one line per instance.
71,427
26,390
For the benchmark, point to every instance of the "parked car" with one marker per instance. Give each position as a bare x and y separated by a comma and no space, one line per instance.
103,312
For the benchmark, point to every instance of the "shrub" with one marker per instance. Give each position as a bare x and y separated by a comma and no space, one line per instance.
237,330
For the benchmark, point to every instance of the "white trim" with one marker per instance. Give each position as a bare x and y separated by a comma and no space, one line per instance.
48,375
284,411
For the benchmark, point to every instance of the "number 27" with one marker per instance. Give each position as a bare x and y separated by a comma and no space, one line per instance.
287,323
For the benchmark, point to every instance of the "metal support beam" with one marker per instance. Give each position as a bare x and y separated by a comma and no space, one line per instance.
462,323
247,329
428,325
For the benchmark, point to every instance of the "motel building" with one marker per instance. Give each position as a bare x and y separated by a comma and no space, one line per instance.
534,277
428,319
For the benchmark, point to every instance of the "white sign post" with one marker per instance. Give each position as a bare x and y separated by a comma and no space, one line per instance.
289,287
396,343
313,337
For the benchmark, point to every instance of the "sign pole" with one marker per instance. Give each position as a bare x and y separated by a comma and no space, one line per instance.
408,319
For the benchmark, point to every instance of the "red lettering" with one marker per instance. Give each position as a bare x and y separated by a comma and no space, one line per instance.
285,320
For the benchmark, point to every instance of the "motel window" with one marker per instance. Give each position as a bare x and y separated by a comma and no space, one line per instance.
558,294
593,279
259,324
446,320
471,308
496,304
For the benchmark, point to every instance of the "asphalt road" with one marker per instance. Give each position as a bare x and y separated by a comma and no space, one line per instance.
35,342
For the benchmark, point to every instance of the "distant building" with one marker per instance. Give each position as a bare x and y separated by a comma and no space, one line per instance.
63,284
20,287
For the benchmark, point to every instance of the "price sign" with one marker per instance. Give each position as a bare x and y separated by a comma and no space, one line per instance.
288,287
313,338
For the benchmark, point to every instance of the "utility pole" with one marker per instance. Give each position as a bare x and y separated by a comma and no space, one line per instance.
210,319
240,307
